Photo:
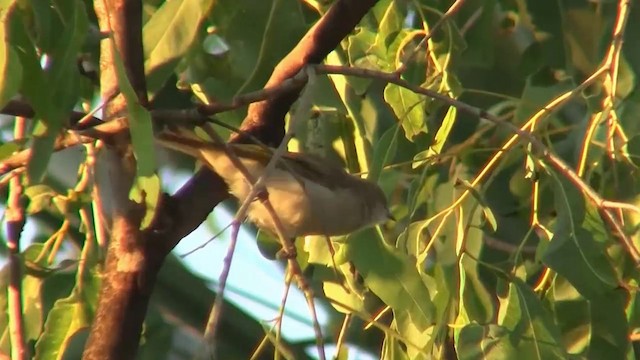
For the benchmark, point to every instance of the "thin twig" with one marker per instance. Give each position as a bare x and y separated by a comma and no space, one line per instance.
343,333
201,246
216,310
15,220
280,318
453,9
559,164
6,178
269,92
257,186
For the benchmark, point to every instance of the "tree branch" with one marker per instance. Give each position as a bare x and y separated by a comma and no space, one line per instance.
132,261
265,119
15,223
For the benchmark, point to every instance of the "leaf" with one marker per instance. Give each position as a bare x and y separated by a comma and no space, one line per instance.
392,276
41,150
531,326
61,75
168,35
384,151
337,295
417,340
64,332
41,198
476,304
540,88
632,148
146,186
10,67
9,148
62,71
408,108
32,292
572,313
610,329
486,209
440,139
573,251
481,40
67,317
485,342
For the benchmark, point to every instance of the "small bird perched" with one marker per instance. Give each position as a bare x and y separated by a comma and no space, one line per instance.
310,195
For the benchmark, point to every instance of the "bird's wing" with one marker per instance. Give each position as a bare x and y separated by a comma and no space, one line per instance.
319,170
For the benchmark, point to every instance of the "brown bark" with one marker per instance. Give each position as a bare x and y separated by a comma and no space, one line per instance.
135,257
132,264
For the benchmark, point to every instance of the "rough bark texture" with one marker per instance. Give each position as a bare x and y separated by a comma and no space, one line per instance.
132,264
135,257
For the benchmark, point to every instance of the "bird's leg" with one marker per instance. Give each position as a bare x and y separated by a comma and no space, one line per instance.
282,254
262,195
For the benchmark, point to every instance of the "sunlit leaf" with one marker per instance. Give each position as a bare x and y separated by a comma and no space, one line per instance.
10,67
146,187
392,277
67,317
409,109
529,323
168,35
573,251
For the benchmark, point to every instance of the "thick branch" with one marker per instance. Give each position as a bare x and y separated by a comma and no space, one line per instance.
265,119
15,220
132,261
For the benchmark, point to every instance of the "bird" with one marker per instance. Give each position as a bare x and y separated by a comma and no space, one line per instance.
310,195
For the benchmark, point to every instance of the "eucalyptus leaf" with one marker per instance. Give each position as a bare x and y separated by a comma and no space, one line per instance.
408,108
392,276
146,188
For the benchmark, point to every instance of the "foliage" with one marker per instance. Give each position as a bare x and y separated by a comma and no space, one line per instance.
496,253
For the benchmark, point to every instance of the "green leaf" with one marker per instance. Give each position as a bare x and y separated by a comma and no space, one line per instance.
62,72
41,150
67,317
338,296
417,340
146,187
9,148
408,108
10,67
168,35
476,304
362,54
610,330
392,276
146,190
540,88
481,40
530,324
31,301
41,198
573,251
384,151
485,342
52,92
440,139
33,86
633,149
486,210
572,313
